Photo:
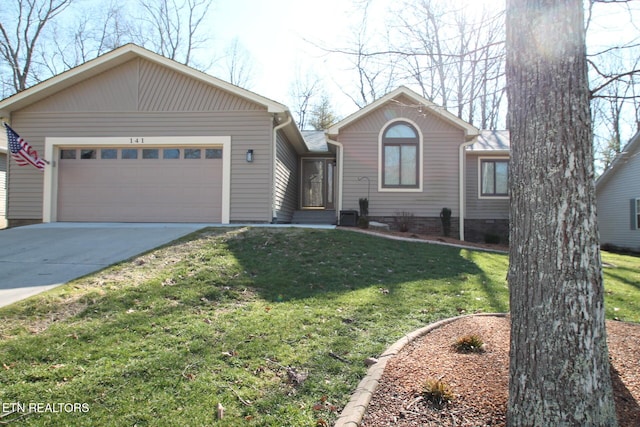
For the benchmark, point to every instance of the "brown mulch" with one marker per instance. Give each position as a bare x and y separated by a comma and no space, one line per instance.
479,382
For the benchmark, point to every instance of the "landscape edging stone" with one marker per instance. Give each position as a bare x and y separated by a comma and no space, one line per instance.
353,412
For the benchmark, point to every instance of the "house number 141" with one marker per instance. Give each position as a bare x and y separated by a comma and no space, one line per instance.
136,140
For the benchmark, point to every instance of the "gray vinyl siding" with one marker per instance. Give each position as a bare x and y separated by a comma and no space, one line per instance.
286,180
613,204
481,208
441,142
140,99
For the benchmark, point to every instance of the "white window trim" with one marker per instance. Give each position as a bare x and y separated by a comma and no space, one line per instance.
417,189
480,159
637,214
52,151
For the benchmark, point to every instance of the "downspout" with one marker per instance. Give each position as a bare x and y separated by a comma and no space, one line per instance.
461,184
274,165
340,150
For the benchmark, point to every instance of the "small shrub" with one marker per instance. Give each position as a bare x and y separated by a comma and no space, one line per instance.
437,393
363,222
469,344
445,218
364,206
403,221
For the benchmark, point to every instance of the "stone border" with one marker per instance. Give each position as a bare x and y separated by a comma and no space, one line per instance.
353,412
433,242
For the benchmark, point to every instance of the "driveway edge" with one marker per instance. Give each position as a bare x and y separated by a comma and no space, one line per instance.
353,412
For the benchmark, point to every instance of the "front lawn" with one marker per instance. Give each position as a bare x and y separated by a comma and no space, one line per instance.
273,324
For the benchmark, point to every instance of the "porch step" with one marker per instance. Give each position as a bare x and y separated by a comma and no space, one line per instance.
314,217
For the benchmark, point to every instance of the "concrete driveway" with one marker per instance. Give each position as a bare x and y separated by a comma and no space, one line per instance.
39,257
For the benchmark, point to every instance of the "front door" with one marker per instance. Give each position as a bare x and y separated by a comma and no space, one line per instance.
318,180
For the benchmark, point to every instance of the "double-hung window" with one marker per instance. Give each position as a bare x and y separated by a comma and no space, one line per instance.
494,178
400,156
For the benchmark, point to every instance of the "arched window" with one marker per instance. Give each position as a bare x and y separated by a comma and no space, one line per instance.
400,156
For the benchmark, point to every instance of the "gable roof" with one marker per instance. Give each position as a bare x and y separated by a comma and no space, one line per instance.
441,112
629,151
117,57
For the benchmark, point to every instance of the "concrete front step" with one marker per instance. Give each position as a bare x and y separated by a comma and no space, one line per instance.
314,217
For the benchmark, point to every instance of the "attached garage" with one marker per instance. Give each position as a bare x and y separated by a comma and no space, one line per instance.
132,136
158,180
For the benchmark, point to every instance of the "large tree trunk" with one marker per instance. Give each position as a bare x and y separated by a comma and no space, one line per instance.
559,367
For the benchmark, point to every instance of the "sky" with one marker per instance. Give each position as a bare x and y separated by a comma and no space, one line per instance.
281,39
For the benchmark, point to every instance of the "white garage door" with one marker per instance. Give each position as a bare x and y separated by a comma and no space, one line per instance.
150,184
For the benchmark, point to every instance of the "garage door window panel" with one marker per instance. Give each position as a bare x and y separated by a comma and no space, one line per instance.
213,153
150,153
109,154
192,153
129,153
171,153
67,154
88,154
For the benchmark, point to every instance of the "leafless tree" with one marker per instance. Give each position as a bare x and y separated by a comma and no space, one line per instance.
35,46
456,58
303,90
88,37
22,23
375,70
615,79
172,27
239,66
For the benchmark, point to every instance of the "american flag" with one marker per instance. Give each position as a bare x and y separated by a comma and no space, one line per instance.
21,151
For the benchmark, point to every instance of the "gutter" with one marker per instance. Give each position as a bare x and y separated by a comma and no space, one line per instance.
461,184
340,150
274,214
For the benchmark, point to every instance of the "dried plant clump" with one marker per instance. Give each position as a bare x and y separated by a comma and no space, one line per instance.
469,344
437,393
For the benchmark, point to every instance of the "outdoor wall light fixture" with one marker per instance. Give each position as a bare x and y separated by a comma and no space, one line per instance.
249,156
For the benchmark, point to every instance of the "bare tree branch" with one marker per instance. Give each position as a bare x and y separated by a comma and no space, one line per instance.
19,46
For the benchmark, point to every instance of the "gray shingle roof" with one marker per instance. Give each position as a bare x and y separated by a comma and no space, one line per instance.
315,140
491,140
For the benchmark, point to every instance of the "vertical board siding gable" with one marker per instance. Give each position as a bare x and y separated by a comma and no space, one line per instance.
112,90
162,89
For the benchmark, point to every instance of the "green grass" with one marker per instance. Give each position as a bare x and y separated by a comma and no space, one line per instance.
219,317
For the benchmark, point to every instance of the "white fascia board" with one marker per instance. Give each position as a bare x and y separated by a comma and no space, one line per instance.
470,130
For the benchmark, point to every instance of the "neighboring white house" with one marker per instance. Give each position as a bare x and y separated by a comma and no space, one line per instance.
618,194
